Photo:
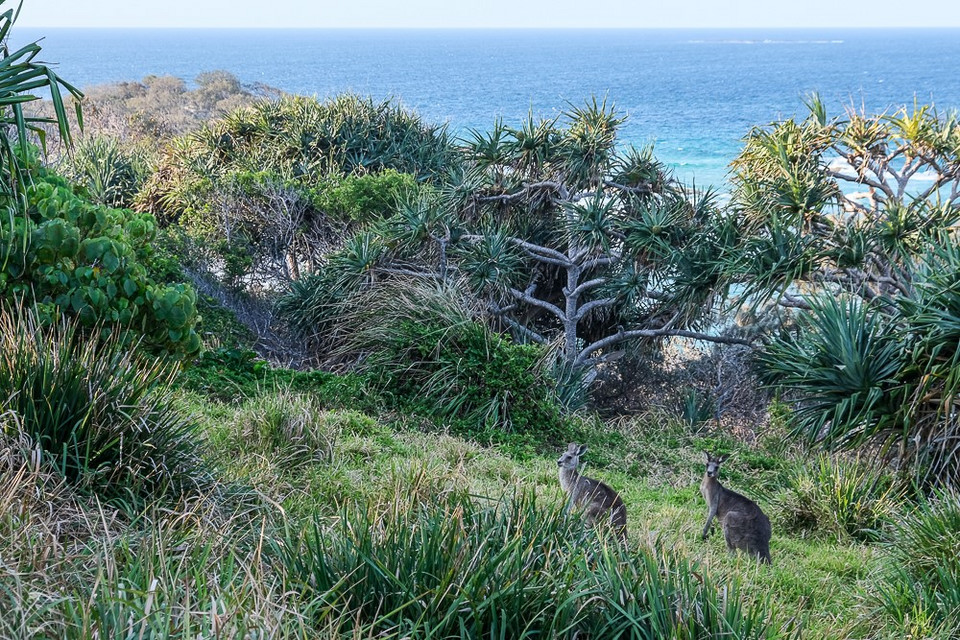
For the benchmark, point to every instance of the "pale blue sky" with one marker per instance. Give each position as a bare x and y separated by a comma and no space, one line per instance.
490,13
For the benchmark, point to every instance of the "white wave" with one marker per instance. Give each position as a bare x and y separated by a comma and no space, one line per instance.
925,176
764,41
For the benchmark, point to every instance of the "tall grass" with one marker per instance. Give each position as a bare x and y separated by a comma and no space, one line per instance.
95,410
838,497
466,567
921,590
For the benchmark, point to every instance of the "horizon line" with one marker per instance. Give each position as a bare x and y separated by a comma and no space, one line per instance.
498,28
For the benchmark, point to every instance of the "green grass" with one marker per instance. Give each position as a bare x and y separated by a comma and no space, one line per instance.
302,455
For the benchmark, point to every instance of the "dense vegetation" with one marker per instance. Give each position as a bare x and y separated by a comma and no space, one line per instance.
451,306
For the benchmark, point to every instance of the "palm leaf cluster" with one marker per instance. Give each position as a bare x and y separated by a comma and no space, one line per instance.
21,75
882,374
849,200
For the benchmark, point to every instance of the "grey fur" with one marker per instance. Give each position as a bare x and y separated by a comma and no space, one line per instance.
596,500
744,525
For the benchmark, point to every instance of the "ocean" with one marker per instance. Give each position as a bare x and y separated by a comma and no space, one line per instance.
692,93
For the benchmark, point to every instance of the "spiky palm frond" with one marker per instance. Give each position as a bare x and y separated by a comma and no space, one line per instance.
491,263
534,146
21,75
588,143
843,365
110,172
770,263
640,169
933,332
654,228
593,224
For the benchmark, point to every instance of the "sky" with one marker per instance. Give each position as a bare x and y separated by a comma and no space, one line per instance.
487,13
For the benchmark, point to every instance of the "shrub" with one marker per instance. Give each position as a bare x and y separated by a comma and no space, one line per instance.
842,498
884,373
364,198
921,590
97,410
301,139
236,374
74,258
456,567
423,345
108,172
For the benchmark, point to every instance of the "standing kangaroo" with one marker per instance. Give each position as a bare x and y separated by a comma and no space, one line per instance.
745,526
598,501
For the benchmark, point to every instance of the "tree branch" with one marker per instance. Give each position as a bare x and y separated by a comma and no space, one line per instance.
589,284
526,331
622,336
526,296
593,304
535,251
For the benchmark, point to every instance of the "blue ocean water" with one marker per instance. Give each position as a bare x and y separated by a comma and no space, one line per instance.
693,93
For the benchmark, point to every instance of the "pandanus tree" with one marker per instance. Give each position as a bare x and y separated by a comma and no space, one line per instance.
568,238
851,201
854,220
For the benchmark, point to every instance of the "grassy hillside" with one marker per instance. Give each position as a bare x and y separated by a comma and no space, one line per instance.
304,457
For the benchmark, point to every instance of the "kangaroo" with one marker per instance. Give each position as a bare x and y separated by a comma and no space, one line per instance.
597,500
745,526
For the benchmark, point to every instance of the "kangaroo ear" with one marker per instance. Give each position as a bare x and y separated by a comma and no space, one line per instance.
583,450
706,454
572,447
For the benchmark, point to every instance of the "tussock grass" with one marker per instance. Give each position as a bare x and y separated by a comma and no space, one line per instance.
96,410
461,567
920,590
840,497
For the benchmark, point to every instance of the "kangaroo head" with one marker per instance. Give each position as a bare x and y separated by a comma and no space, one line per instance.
571,457
713,464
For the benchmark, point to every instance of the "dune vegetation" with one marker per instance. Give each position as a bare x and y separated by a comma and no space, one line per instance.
281,367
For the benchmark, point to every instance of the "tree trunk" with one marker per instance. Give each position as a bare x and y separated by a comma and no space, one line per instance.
570,321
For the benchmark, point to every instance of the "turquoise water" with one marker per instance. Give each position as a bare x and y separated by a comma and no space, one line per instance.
694,93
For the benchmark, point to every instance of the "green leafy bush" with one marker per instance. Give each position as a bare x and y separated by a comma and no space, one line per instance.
456,567
364,198
88,261
299,139
97,410
234,374
842,498
921,590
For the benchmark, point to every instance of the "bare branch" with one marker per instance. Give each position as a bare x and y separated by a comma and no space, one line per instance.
535,251
593,304
527,296
589,284
862,179
526,331
794,303
622,336
600,261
